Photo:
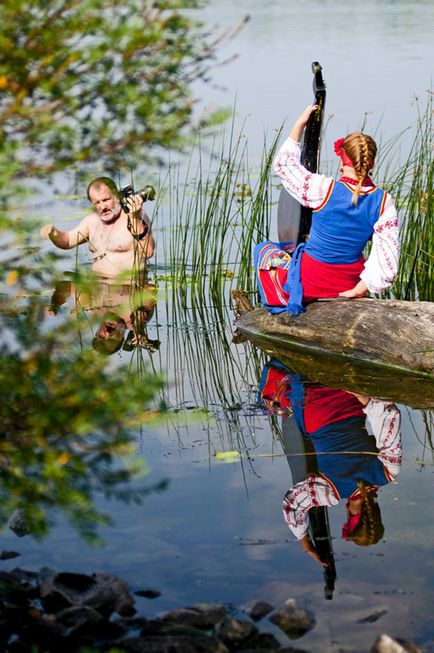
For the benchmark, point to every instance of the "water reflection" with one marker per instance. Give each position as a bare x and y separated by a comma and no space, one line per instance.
68,421
120,312
332,456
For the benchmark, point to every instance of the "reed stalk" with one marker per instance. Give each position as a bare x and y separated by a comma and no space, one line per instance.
215,216
411,186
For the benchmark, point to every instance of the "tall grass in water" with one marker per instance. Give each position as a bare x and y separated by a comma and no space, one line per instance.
214,218
411,186
206,222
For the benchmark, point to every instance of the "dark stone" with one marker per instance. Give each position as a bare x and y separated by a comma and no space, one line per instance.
293,620
262,641
100,631
371,618
101,591
132,623
24,576
18,524
8,555
48,637
158,627
61,591
148,594
235,633
12,591
201,615
119,589
198,643
73,618
5,631
257,610
255,650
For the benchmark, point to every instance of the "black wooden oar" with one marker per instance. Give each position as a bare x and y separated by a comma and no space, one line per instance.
294,220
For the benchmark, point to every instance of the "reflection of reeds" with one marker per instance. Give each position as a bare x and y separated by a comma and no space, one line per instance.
207,368
423,432
207,224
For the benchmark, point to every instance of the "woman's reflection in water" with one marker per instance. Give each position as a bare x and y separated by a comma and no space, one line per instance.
342,460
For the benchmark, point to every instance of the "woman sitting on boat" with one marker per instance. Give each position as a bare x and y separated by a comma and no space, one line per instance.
346,215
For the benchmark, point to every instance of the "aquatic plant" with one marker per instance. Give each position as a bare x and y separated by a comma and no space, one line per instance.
210,219
221,205
411,185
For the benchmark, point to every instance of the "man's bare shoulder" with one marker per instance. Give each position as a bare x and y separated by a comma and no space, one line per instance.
90,217
90,222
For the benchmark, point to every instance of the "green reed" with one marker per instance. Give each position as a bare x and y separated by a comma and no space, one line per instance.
211,218
212,210
213,214
411,186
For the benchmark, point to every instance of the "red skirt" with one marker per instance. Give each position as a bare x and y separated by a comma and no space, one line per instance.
324,406
318,280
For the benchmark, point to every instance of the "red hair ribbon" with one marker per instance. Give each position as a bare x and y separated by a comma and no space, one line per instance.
346,161
339,150
351,524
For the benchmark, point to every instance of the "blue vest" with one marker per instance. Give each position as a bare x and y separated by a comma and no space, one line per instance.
342,470
338,235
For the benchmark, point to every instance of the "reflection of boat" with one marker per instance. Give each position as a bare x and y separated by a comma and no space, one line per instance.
382,348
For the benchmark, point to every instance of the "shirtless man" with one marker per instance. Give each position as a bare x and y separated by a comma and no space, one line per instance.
118,241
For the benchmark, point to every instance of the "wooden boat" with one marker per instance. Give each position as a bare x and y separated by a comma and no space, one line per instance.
382,348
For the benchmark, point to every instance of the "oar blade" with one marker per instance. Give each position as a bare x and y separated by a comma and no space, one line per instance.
288,217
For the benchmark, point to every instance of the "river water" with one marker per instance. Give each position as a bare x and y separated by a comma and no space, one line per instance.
376,58
217,532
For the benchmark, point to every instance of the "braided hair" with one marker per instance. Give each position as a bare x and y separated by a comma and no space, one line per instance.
370,528
361,149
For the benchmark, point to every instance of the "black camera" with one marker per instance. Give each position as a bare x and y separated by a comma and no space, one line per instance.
147,194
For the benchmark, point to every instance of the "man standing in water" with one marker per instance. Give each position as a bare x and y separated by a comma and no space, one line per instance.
118,241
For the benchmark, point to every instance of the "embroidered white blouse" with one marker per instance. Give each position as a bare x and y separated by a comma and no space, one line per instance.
385,420
311,190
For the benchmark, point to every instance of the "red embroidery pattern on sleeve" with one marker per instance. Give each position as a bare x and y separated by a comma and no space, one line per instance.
387,258
388,224
305,189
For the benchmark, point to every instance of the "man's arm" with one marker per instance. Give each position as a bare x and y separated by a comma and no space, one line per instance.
141,228
66,239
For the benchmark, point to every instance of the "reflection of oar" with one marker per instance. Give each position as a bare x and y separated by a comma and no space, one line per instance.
294,220
319,529
295,445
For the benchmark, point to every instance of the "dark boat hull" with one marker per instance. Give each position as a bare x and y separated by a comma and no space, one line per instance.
382,348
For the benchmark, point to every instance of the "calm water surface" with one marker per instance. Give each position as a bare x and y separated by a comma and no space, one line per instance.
376,57
217,532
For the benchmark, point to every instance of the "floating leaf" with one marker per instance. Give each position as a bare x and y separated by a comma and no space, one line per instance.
228,456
